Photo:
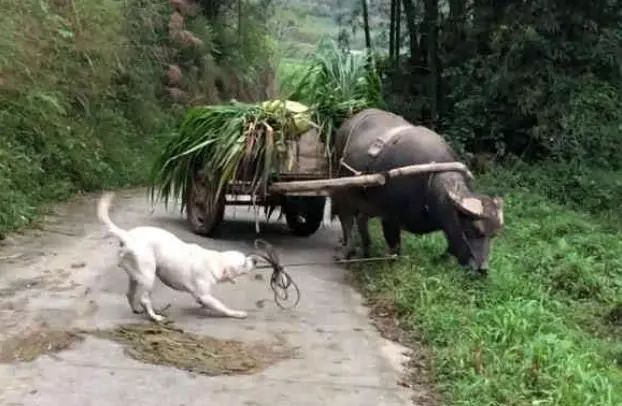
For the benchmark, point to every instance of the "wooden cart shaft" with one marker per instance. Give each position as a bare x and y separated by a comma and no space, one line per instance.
324,186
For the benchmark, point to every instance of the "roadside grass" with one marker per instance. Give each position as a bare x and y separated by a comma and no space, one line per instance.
78,108
544,328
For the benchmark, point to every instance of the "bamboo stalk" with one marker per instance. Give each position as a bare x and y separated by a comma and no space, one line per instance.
376,179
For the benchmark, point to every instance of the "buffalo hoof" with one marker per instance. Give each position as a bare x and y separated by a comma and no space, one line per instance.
345,254
477,273
341,257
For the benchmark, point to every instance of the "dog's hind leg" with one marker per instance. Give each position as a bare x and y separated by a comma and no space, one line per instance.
127,261
132,297
142,272
215,304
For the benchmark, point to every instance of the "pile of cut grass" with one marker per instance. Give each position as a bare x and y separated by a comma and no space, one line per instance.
166,345
228,142
543,328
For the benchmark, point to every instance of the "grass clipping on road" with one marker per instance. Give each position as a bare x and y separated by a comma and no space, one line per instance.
545,327
31,346
169,346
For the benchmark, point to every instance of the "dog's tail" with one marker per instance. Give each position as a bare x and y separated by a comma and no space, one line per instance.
103,207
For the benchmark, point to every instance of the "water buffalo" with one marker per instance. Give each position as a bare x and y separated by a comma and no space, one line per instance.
375,141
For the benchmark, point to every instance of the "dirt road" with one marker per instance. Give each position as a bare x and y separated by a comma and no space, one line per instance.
63,277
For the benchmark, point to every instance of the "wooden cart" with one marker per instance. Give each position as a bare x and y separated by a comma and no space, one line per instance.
304,181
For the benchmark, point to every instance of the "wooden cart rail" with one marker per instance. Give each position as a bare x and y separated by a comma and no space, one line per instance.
301,200
323,186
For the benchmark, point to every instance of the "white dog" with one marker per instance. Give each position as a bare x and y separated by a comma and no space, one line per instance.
147,252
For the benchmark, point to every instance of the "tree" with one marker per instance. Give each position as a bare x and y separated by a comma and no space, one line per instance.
411,25
366,25
392,30
211,8
431,23
398,32
455,38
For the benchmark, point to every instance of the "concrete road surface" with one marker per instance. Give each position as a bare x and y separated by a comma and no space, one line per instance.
63,276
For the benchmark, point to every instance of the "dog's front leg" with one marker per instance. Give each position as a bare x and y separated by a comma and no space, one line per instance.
215,304
145,301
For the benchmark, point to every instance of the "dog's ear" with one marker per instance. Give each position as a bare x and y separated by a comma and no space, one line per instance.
228,274
254,259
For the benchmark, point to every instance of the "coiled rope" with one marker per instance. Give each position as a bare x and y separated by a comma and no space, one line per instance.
280,281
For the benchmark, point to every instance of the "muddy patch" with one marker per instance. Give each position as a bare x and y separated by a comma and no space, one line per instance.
28,347
171,346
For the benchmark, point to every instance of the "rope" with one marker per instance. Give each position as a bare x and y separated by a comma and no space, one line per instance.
348,167
280,281
354,127
341,261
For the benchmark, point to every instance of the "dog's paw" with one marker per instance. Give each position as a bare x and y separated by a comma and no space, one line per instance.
239,314
158,318
163,310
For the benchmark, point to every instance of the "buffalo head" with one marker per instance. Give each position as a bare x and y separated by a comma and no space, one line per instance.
479,218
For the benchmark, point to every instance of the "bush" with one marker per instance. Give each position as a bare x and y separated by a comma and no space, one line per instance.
83,98
68,118
580,187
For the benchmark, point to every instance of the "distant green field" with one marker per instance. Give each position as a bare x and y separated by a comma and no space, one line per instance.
307,29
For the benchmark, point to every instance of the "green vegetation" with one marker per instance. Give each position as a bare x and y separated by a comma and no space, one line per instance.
85,96
337,84
228,142
249,141
77,111
533,91
545,327
301,24
90,90
540,80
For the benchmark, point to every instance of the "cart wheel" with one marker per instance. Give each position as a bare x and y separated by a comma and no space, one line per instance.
202,213
304,214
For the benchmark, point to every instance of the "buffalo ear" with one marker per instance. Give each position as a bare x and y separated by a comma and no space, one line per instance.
468,205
